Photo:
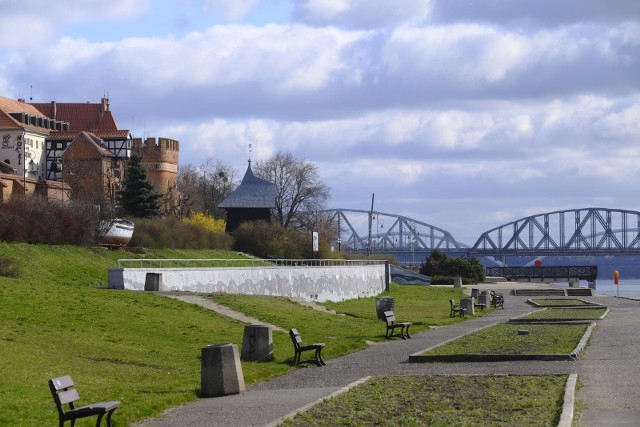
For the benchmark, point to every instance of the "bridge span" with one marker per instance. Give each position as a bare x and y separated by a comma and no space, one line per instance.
579,232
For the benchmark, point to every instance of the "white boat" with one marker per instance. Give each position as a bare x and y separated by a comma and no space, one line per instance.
116,232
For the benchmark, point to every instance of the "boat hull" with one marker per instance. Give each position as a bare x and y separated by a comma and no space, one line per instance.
116,232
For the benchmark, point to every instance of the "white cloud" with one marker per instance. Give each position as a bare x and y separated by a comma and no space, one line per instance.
507,109
278,58
31,24
235,9
361,13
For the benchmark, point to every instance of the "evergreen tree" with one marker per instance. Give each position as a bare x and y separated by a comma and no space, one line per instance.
138,198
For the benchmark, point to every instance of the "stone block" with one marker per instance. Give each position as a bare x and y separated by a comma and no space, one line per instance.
467,304
221,373
457,282
484,299
257,343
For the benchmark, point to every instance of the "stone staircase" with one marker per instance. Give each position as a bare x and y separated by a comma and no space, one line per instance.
570,292
539,292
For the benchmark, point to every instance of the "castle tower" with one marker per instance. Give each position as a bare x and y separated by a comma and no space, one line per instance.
160,157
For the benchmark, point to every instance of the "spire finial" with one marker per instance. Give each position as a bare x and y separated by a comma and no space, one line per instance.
250,154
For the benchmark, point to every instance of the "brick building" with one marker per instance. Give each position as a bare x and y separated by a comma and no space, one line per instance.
79,145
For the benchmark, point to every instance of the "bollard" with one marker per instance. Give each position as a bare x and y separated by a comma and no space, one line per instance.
467,304
484,299
257,343
221,373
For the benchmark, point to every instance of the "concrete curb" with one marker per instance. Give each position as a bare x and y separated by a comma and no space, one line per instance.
583,341
457,358
566,418
309,405
420,357
587,304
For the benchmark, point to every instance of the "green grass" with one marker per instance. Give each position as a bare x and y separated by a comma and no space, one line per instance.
504,339
550,302
440,401
144,349
422,305
565,314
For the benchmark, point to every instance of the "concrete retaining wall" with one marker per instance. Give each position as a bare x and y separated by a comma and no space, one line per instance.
309,283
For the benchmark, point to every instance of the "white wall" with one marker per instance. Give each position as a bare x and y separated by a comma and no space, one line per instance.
310,283
16,144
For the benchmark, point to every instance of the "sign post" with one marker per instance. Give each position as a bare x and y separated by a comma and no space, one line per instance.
616,276
316,245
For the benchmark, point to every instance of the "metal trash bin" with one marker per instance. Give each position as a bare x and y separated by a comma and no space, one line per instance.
384,304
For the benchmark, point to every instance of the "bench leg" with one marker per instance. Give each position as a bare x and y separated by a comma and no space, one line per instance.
109,417
407,332
99,419
402,333
319,360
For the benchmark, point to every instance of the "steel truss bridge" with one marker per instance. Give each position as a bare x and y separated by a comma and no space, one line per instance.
375,231
587,231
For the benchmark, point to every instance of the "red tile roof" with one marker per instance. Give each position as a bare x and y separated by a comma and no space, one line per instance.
88,117
68,136
8,106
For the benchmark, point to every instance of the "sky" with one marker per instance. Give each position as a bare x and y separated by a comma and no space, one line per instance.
463,114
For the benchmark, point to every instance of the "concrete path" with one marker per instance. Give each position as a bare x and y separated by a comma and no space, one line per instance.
218,308
607,369
610,372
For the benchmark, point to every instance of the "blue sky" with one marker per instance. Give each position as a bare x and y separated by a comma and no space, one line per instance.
462,114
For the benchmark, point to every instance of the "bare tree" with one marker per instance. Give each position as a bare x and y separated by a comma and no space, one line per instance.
203,188
299,190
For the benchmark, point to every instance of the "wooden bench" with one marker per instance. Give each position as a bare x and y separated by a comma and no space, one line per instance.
64,393
392,325
497,299
456,309
299,348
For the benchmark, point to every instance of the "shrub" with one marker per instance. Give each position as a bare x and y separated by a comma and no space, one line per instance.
37,220
174,234
207,221
272,240
440,264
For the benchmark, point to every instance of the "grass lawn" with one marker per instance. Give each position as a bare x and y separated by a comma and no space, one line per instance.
565,314
504,339
569,302
144,349
443,401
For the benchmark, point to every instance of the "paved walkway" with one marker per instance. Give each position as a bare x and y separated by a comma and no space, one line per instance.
607,369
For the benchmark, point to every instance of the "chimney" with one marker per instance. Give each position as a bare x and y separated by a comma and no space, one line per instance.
54,111
105,104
